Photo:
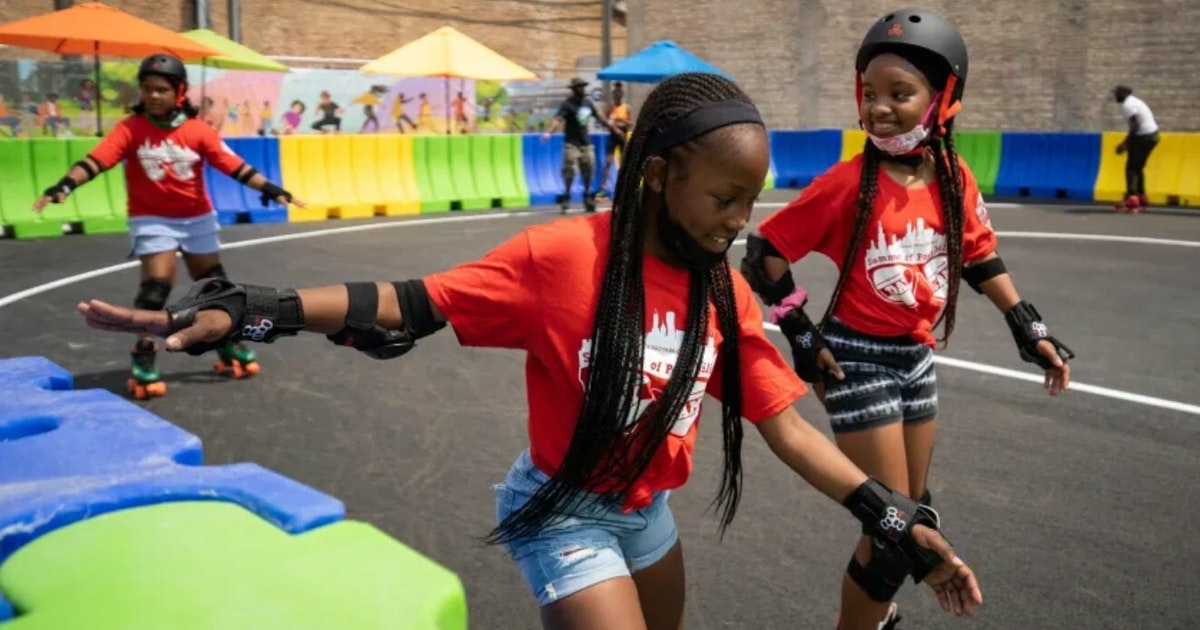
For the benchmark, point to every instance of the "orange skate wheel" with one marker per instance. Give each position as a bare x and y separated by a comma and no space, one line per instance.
157,389
252,368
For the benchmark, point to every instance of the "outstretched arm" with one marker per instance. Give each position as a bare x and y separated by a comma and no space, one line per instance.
989,276
815,458
320,310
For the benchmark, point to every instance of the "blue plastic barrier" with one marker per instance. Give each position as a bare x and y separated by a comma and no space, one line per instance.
543,167
538,195
262,154
1048,165
70,455
799,156
236,203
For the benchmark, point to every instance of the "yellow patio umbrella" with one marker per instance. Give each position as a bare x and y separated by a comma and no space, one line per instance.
448,53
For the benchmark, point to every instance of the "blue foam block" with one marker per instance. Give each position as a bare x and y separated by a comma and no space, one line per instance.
33,372
67,456
32,509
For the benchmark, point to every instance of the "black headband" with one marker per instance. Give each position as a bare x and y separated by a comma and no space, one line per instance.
701,121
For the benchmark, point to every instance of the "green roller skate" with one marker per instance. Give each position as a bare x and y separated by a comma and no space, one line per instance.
146,382
237,361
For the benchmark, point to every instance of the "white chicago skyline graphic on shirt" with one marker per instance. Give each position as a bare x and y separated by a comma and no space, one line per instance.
659,354
897,268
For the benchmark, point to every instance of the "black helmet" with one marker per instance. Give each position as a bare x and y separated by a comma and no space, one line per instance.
920,29
163,65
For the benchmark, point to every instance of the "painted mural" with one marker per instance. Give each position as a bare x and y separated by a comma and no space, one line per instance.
63,99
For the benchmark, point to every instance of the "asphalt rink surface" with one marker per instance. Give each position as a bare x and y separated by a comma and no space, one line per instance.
1073,510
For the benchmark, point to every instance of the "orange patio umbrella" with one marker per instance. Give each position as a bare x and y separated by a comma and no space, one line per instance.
96,29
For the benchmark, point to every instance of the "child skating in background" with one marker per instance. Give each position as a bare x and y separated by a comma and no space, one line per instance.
164,146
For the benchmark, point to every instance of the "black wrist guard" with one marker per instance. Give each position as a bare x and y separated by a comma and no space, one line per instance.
271,192
1028,329
65,187
806,343
259,313
361,331
888,517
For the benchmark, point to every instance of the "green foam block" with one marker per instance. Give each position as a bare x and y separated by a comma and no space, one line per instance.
193,565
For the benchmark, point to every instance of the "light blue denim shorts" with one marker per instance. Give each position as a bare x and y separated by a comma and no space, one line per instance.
153,235
597,543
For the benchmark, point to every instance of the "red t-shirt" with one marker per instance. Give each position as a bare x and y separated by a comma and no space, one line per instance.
538,292
898,285
164,171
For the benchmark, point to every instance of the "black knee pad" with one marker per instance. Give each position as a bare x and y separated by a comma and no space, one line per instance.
215,271
883,574
152,294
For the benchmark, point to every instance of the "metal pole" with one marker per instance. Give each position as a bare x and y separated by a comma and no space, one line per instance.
606,45
202,14
235,21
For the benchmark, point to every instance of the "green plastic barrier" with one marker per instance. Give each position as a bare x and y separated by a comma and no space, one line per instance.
981,150
461,165
118,195
93,200
50,163
206,564
483,168
509,167
431,156
18,192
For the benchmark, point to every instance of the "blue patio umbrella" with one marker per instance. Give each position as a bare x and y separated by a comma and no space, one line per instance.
656,62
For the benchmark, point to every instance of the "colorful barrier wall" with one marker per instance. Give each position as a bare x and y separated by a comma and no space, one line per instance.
109,519
357,176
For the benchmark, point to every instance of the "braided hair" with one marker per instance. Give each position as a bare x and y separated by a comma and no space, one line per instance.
605,446
950,187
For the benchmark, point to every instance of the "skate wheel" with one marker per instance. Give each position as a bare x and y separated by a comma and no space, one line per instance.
236,368
252,368
157,389
220,367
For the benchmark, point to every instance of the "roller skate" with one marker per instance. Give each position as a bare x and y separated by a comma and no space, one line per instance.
237,361
564,203
1132,204
589,202
889,622
145,382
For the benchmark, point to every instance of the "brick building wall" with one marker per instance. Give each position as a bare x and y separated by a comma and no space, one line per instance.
1034,65
546,36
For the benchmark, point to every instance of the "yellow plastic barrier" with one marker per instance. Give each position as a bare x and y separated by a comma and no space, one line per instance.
296,183
852,143
339,172
1189,171
1172,172
396,175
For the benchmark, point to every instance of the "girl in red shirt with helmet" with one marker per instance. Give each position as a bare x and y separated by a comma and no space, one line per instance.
905,222
627,319
164,147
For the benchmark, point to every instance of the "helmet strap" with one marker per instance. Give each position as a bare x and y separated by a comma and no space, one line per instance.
947,110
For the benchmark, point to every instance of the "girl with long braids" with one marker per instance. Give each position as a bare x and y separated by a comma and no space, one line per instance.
628,319
905,223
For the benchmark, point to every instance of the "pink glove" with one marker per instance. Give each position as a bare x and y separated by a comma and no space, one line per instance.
794,300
